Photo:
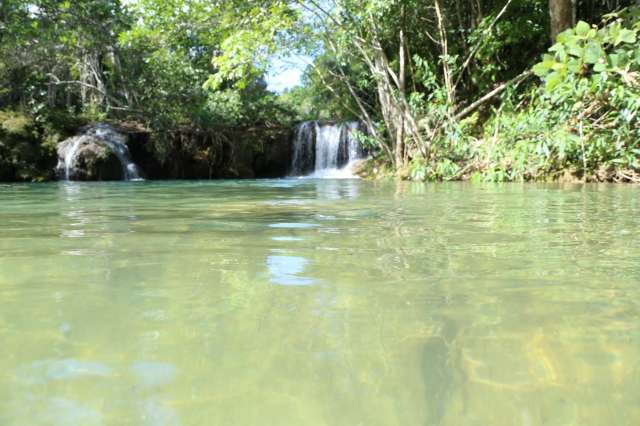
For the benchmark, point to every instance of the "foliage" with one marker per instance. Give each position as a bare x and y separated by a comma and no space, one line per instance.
442,86
148,61
26,151
585,117
581,123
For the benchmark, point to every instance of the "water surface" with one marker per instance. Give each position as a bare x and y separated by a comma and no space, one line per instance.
319,302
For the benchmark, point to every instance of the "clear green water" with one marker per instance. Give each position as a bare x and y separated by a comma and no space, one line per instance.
319,303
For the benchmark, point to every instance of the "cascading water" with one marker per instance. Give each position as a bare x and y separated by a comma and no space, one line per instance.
304,144
354,149
92,138
70,156
325,150
117,144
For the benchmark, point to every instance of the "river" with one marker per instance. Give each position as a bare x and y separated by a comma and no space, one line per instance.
319,302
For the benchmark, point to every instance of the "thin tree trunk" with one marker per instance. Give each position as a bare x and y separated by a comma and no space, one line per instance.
561,13
448,81
364,114
402,86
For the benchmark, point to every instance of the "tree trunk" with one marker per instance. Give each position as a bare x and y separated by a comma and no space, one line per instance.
402,86
445,55
561,12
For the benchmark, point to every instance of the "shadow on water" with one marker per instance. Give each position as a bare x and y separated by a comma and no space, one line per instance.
441,374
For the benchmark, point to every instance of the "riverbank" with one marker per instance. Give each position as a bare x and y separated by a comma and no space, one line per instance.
28,151
480,171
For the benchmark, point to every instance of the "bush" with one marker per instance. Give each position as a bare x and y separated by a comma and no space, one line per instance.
584,119
27,152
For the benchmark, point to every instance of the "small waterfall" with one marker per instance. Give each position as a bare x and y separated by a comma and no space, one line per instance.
93,136
327,146
70,156
325,150
117,144
304,149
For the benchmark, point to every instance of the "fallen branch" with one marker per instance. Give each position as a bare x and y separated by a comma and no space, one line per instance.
629,178
492,94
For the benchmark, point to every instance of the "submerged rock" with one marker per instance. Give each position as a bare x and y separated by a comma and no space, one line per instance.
99,153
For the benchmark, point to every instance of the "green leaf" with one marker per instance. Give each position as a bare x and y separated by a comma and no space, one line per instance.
614,31
604,35
582,29
615,59
575,50
600,67
564,36
626,36
541,69
553,80
556,47
593,53
559,66
575,65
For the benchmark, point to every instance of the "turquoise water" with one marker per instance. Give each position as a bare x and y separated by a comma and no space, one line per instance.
319,302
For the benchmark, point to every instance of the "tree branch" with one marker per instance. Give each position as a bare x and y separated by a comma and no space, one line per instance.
493,93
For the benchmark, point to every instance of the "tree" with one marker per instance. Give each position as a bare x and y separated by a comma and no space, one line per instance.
562,16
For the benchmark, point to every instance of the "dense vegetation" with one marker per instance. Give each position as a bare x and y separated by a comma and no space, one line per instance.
447,89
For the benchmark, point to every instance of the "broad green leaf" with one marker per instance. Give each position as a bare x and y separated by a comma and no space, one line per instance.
564,36
575,50
582,29
614,32
575,65
605,36
593,53
556,47
626,36
615,59
553,80
559,66
541,69
600,67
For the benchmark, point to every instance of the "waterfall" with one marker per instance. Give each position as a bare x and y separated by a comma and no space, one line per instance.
117,144
325,150
93,137
304,149
70,156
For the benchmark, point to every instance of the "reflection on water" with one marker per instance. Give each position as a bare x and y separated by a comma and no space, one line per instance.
65,369
286,270
319,302
293,225
151,374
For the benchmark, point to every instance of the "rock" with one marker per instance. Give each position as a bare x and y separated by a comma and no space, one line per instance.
99,153
92,160
276,154
360,168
